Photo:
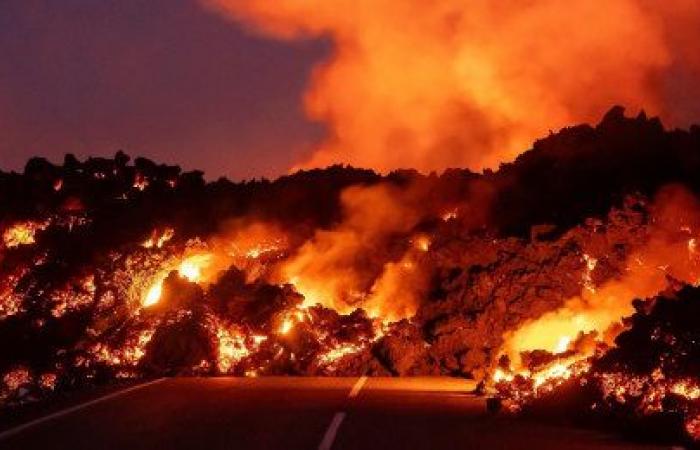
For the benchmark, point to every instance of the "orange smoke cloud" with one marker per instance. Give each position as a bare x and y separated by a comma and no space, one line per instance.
436,84
346,267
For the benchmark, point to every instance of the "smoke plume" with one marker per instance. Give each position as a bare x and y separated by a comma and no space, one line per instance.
447,83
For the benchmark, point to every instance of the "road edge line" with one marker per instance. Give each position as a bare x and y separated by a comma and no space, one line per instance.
18,429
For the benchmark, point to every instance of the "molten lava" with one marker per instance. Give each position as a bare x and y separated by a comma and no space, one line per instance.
346,272
22,233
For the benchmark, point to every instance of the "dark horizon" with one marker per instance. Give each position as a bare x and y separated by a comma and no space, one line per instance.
167,80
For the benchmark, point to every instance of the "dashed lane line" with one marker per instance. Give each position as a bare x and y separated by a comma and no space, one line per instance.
332,430
357,387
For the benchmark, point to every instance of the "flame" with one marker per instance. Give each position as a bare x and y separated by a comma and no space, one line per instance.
422,243
22,233
597,309
291,318
16,378
231,348
157,240
686,388
140,182
233,344
328,269
562,345
153,295
130,353
668,252
191,267
287,325
692,426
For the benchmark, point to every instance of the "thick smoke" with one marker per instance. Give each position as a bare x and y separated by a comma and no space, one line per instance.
447,83
354,264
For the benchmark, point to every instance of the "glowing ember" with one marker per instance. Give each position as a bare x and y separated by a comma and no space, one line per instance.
48,381
590,267
140,182
14,379
287,325
422,243
232,344
157,240
692,426
337,353
449,215
153,295
191,268
22,233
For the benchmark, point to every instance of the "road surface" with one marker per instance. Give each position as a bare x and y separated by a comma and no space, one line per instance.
293,413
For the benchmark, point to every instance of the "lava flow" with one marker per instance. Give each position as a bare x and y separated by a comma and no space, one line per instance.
111,269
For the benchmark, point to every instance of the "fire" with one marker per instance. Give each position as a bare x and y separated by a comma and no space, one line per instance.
191,268
130,353
73,298
562,344
233,344
449,215
377,284
22,233
327,269
422,243
692,426
153,295
291,318
48,381
231,348
14,379
287,325
158,239
11,301
599,309
336,353
686,388
140,182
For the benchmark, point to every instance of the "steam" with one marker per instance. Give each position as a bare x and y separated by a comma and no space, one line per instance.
436,84
346,267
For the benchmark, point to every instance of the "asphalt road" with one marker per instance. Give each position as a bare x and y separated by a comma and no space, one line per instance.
293,413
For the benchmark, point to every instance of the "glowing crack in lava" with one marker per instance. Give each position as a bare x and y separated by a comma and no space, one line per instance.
190,268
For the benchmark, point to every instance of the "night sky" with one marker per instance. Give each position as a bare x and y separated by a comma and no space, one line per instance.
165,79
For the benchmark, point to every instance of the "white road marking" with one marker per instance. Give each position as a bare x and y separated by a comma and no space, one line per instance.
357,387
12,431
332,430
